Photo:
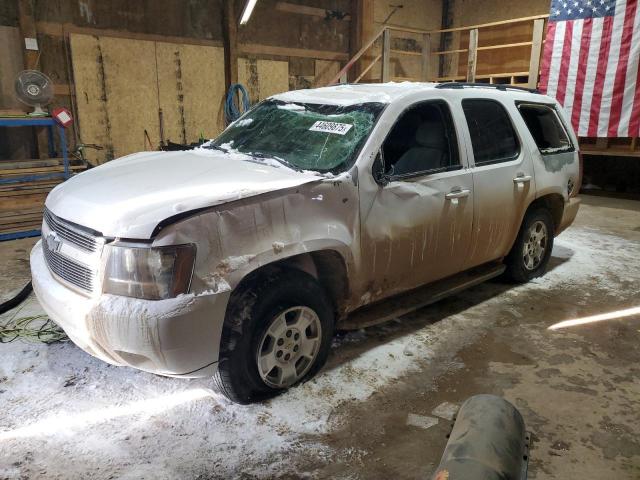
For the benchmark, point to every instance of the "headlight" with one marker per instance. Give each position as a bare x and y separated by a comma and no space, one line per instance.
152,273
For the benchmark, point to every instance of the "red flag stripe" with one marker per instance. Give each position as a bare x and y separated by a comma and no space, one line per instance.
564,65
617,95
582,62
546,57
603,58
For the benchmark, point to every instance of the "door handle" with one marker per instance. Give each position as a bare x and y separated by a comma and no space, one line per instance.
457,194
522,179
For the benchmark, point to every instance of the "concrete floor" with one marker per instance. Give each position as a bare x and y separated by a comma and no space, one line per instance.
67,415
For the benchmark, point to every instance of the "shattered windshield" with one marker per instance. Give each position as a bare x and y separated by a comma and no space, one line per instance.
324,138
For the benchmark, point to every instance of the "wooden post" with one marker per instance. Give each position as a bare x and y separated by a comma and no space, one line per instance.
27,31
472,59
536,51
386,53
230,39
426,54
361,31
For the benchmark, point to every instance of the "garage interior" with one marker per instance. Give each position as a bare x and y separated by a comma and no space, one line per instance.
142,75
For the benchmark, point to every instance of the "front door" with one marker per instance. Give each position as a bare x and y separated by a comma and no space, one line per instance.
417,227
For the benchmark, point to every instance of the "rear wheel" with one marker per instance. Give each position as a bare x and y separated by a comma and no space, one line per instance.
277,333
531,252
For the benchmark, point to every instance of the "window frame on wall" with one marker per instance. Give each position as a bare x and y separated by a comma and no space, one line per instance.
563,127
518,142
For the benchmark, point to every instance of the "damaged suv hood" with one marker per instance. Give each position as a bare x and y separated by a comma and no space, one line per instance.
130,196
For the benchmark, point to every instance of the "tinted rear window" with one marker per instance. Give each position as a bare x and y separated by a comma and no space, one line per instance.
546,128
492,135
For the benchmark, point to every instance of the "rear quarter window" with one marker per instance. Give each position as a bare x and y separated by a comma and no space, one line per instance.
546,128
493,137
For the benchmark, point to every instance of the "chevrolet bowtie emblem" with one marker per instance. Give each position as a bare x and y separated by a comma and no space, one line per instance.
53,242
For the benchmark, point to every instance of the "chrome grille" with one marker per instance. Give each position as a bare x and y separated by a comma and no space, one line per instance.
84,240
69,270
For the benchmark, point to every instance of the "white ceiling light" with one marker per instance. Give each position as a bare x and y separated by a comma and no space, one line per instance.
248,10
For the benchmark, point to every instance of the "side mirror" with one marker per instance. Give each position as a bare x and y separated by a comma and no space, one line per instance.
379,175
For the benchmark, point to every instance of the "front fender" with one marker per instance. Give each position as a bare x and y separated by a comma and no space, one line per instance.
235,239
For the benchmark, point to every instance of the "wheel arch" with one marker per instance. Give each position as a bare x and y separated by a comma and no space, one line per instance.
327,266
554,203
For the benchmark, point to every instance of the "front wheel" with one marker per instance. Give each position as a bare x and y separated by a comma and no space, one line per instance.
530,254
277,333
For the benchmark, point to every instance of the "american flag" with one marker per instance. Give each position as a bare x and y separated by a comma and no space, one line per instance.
590,65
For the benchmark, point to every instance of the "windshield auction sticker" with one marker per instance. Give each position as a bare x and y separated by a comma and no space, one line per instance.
330,127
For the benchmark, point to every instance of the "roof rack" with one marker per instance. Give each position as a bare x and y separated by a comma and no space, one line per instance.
498,86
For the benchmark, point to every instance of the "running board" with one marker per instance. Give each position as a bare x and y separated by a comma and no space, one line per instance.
404,303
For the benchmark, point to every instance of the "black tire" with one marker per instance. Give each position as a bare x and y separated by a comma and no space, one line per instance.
251,309
517,270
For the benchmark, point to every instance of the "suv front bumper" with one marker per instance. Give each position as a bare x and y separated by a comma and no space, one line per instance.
174,337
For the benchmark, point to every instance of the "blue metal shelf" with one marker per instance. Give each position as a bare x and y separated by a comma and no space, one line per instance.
50,124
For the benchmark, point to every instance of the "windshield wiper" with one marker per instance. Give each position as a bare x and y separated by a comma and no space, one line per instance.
279,159
217,147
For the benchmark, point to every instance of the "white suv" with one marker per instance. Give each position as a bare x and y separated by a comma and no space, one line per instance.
240,258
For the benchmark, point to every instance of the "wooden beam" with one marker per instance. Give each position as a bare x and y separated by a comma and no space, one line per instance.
361,31
536,51
406,52
53,29
27,31
469,27
472,59
386,53
426,54
255,49
305,10
230,43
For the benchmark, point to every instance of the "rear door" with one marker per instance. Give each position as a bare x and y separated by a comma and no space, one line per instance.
503,177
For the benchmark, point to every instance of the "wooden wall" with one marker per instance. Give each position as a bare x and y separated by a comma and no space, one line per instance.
294,44
419,14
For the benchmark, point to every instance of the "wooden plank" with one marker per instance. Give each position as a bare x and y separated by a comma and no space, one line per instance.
132,93
188,109
386,47
11,63
63,29
93,123
263,78
536,51
255,49
504,45
27,22
305,10
426,54
361,31
469,27
61,89
472,58
406,52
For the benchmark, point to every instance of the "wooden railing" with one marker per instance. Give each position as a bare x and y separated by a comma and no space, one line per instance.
379,48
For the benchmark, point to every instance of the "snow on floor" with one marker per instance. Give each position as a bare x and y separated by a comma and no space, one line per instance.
67,415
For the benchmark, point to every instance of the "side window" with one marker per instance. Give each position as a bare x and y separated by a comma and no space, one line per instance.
546,128
492,135
423,140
